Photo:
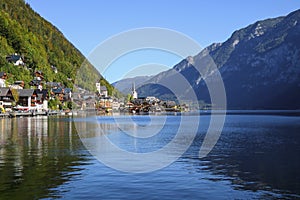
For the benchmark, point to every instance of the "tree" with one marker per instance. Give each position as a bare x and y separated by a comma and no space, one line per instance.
129,98
54,103
15,95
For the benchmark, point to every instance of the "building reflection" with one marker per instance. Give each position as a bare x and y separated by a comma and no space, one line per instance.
35,152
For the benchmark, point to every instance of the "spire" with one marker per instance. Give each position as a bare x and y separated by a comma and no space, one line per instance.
134,93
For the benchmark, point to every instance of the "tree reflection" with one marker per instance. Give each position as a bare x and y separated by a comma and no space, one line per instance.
37,155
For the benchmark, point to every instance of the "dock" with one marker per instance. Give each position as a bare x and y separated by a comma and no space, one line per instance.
4,115
27,114
32,114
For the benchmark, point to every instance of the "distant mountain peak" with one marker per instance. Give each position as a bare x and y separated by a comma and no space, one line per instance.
190,60
259,64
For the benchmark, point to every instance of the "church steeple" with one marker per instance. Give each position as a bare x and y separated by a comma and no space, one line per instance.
133,92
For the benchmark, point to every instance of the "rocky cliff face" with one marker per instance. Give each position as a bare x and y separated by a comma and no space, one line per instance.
260,67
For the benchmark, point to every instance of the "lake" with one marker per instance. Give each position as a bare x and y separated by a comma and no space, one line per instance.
255,157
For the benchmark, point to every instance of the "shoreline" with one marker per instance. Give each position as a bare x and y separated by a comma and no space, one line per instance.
28,114
199,112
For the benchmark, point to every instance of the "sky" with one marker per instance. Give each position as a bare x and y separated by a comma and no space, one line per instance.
87,24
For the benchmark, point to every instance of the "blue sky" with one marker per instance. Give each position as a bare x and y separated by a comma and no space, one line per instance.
88,23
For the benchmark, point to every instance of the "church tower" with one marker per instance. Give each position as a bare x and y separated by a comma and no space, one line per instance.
133,92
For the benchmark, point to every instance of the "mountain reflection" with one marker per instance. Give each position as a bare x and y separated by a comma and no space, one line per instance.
37,155
254,153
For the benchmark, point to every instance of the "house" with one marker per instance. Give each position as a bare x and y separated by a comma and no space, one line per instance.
42,99
54,69
89,104
105,102
15,59
77,99
27,98
152,99
6,98
59,93
42,95
53,85
115,105
17,85
35,82
63,94
76,96
103,91
39,75
67,94
170,104
139,101
3,77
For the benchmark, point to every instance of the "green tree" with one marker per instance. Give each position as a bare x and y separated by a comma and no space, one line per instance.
23,31
54,104
15,95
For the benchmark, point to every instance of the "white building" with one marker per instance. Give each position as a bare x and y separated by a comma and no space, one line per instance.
98,87
151,99
133,92
2,83
3,77
16,59
102,90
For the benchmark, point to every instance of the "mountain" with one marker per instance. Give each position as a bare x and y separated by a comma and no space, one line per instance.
25,32
259,64
125,85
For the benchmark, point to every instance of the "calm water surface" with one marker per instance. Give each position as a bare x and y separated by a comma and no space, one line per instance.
256,157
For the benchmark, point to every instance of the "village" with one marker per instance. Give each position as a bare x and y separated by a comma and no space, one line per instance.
53,98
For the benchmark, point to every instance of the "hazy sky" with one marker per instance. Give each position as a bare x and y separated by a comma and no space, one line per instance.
88,23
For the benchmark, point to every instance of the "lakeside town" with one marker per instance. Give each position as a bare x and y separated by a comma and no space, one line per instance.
53,98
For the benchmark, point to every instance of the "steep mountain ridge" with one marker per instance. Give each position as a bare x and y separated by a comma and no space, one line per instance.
259,64
125,85
25,32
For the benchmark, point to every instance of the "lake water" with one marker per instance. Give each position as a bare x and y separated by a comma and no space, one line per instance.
256,157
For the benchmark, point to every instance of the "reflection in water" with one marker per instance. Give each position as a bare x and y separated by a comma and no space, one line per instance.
256,153
35,153
256,157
